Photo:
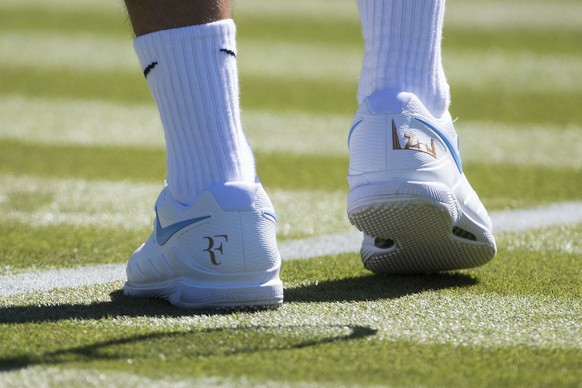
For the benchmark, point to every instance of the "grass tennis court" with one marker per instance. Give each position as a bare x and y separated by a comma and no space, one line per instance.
82,160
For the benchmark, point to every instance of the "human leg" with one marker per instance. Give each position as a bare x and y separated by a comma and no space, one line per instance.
214,241
408,192
403,50
149,16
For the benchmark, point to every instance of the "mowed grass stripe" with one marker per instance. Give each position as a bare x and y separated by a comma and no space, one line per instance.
561,239
97,52
57,376
282,19
80,52
463,36
509,70
86,6
27,247
92,221
82,239
53,376
497,15
469,312
326,361
101,21
327,358
469,38
81,122
283,95
30,81
500,186
128,205
137,164
101,123
466,319
536,15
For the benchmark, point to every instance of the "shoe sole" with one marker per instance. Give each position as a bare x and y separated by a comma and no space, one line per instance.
420,226
183,294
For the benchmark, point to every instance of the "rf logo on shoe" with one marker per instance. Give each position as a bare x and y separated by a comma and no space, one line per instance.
212,250
410,144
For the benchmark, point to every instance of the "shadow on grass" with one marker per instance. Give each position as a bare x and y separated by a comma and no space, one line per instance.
192,344
203,341
118,306
362,288
374,287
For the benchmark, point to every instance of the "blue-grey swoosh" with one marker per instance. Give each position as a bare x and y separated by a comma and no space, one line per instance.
447,141
352,129
164,234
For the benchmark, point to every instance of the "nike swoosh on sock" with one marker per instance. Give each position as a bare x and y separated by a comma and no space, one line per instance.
149,68
227,51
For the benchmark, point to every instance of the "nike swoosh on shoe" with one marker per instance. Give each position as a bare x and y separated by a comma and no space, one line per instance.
163,234
447,141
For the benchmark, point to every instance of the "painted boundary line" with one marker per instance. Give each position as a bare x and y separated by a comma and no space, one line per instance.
504,222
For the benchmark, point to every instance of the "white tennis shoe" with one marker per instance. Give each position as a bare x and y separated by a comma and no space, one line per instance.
408,193
220,253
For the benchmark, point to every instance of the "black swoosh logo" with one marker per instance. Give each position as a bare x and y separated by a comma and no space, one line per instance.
229,52
149,68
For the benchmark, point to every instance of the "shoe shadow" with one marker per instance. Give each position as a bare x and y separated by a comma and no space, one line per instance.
257,338
375,287
363,288
203,342
118,306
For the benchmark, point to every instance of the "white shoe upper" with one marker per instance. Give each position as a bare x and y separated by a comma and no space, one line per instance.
227,239
400,153
394,138
393,135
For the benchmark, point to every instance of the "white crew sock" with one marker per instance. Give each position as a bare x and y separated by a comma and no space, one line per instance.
193,76
403,50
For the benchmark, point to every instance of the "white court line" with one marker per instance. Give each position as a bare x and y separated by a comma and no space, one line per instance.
504,221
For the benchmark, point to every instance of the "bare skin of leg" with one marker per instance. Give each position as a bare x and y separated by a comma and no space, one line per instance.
155,15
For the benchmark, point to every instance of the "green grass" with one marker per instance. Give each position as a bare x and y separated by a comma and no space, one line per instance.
47,247
497,102
262,92
127,88
518,41
301,356
330,31
152,339
500,186
34,19
513,322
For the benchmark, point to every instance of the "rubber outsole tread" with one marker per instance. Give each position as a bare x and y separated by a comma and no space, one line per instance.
423,239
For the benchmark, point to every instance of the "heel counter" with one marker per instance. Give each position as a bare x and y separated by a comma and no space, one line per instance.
371,137
259,230
367,144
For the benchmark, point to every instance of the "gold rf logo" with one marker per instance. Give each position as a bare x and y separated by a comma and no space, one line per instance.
410,144
214,249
